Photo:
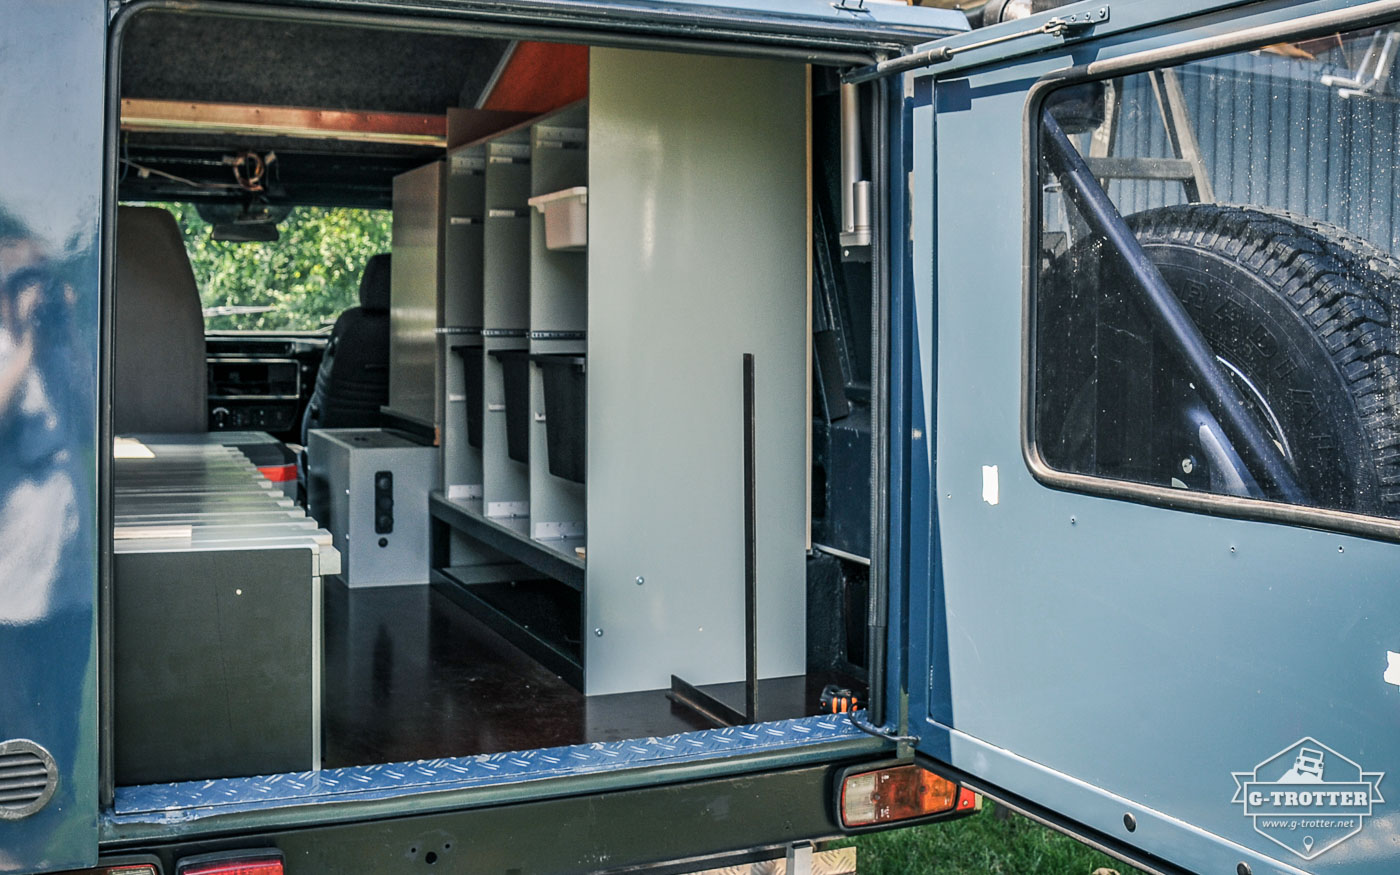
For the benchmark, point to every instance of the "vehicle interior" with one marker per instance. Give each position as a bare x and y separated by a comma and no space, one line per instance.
586,457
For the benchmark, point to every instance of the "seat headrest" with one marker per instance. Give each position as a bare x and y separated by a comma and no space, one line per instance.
374,283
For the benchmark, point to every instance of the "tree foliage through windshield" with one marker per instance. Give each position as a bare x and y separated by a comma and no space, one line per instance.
307,277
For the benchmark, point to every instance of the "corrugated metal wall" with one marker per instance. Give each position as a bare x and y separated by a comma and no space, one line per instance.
1271,134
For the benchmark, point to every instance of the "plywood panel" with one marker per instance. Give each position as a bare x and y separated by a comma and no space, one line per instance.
416,277
697,218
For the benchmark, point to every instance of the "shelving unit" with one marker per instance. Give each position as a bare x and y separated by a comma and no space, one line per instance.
506,321
558,325
460,336
630,567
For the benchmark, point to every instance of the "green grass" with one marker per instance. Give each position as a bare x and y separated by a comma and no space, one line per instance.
983,844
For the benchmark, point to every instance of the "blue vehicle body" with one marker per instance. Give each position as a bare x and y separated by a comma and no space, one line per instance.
1116,667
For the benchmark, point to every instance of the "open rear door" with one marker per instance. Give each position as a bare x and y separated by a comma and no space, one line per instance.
1149,408
51,124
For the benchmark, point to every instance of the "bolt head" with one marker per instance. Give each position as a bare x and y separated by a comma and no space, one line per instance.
641,580
598,633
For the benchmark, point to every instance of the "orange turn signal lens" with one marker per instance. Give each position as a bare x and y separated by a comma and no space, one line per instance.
898,793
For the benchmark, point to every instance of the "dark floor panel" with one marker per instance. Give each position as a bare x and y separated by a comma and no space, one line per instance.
411,675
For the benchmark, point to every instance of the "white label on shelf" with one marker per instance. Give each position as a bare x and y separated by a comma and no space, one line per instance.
556,137
468,163
514,509
510,153
557,531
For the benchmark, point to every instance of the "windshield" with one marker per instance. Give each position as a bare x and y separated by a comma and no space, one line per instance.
300,282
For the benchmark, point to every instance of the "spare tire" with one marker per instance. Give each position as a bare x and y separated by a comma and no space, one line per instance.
1301,315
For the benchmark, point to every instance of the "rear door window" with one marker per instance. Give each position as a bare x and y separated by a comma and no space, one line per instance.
1261,187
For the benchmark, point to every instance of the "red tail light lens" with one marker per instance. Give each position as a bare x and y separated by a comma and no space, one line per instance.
232,866
902,792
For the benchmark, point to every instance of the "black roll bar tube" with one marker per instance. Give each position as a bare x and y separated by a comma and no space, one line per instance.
1169,318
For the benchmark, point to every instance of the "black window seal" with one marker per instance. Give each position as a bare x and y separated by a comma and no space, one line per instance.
1209,504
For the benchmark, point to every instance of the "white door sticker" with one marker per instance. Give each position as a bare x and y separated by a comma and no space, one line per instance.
991,486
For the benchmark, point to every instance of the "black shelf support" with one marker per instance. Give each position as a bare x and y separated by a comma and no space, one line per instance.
687,695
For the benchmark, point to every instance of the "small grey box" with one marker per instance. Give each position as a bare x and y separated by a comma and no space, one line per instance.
370,487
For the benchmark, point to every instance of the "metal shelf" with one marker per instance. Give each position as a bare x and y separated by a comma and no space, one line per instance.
466,517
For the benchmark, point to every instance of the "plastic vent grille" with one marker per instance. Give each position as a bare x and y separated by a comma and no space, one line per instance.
27,778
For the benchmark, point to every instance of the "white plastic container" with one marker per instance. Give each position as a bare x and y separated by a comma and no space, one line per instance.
565,217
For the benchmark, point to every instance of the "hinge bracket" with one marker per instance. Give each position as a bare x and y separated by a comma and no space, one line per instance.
1061,26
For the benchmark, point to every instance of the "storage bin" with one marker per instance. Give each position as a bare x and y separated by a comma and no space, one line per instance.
515,366
475,371
565,403
565,217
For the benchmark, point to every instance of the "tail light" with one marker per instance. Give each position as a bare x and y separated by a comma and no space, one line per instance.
118,869
899,793
237,863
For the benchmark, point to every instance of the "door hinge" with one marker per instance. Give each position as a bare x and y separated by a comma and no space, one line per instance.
1061,26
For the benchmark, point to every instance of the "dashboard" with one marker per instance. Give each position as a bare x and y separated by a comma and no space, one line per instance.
261,382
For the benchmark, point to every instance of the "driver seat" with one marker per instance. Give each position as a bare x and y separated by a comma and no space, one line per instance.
353,381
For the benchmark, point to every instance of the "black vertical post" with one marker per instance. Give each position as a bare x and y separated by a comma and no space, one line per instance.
750,551
687,695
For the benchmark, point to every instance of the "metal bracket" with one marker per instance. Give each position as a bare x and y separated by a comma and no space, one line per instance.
1372,78
1062,26
850,6
799,858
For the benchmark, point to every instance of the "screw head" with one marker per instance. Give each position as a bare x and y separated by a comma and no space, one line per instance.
641,580
598,633
1129,822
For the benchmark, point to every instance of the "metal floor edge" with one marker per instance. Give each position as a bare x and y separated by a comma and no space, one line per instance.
189,800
